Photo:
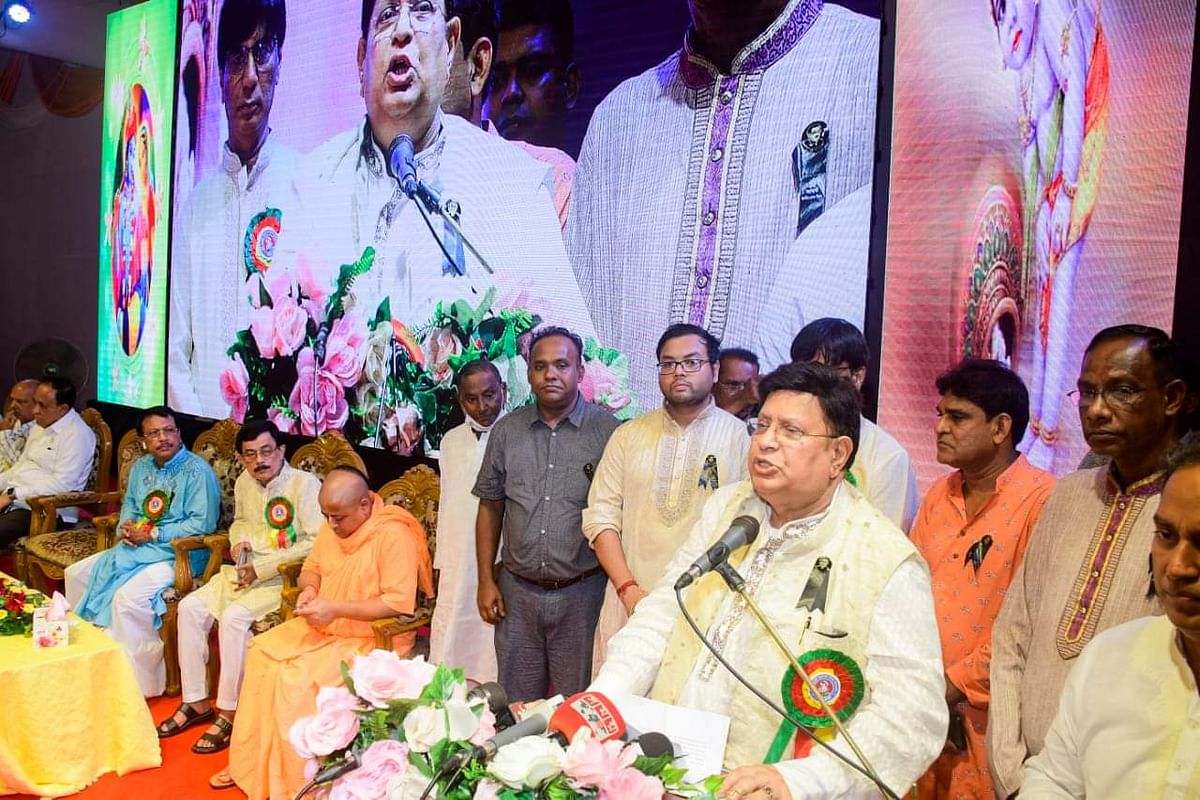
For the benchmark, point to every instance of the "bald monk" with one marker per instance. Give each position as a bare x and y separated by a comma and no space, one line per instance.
367,563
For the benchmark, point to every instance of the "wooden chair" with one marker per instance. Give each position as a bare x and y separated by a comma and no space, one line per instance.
417,491
43,555
218,447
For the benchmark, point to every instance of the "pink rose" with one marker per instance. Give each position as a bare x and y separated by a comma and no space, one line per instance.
591,762
381,675
629,784
283,421
319,407
262,328
601,385
337,698
235,387
324,732
313,276
382,763
486,729
402,430
442,344
290,324
346,348
487,790
279,283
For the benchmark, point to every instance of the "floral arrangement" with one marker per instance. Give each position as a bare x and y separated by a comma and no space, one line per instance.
405,717
406,394
17,602
305,347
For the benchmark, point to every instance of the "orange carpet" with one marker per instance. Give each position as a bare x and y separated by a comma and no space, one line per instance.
183,774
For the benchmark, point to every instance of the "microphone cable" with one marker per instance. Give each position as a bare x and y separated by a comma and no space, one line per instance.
776,707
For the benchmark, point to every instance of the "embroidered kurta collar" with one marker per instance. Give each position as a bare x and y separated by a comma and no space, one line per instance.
431,146
768,47
232,164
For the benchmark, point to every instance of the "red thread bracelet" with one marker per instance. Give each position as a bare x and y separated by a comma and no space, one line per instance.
621,589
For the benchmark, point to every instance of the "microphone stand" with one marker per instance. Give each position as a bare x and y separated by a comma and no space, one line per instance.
424,196
736,583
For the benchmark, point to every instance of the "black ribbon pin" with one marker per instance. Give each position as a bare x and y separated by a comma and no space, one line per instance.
977,552
708,475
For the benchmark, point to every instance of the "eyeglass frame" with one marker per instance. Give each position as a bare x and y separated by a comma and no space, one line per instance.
417,24
159,433
1084,398
265,452
671,367
237,60
755,429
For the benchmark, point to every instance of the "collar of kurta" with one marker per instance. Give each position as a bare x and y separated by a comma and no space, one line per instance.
768,47
670,424
276,483
232,164
427,159
1150,485
61,423
174,462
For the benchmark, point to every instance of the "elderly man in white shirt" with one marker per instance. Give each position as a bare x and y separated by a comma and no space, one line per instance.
656,474
1128,722
17,423
843,585
57,458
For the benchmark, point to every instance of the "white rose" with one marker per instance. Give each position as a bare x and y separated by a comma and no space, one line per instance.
408,786
528,762
424,727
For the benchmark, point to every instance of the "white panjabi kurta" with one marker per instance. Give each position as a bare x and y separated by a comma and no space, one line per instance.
350,203
459,637
885,608
250,525
884,473
208,271
1128,722
650,486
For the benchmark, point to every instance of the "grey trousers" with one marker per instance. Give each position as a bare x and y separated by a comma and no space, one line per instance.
544,642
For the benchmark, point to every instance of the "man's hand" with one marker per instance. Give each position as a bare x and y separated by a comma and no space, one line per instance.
137,534
490,601
306,596
5,501
758,782
317,612
236,551
632,596
246,575
954,695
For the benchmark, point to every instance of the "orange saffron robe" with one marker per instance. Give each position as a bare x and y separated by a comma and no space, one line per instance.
967,602
387,558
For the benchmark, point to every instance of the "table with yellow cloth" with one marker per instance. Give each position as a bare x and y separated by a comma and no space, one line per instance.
70,714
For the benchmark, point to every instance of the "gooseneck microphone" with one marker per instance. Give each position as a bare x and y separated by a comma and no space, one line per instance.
743,531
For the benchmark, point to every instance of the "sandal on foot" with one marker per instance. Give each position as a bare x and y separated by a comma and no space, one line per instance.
216,742
169,727
222,780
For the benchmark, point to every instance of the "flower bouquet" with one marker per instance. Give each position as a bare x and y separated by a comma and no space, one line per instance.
304,349
406,395
406,717
17,602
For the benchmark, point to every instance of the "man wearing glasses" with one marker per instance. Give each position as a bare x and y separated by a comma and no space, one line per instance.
838,579
276,517
172,493
1085,569
249,193
736,389
656,474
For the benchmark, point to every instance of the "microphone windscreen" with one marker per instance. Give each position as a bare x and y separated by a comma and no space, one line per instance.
591,712
491,693
748,525
655,744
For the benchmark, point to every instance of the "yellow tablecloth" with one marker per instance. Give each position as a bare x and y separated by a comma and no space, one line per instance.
70,714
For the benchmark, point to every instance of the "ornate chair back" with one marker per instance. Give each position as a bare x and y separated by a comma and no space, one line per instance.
99,477
129,450
216,446
327,451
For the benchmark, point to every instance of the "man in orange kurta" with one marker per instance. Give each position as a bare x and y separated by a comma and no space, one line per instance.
367,563
972,529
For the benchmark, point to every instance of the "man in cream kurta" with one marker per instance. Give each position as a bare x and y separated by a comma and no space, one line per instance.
458,635
276,518
656,474
875,609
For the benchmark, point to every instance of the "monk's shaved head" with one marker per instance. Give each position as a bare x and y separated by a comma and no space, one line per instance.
345,500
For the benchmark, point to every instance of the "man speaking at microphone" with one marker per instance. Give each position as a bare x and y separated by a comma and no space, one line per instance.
847,591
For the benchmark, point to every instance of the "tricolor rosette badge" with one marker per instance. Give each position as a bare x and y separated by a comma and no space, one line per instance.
262,234
156,505
840,681
281,516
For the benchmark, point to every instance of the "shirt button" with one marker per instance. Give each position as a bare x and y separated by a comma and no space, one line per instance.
702,280
1108,538
1095,573
717,154
710,218
547,497
1121,506
726,97
551,466
554,433
543,531
954,555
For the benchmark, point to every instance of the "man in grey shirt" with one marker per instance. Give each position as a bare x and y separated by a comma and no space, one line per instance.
533,485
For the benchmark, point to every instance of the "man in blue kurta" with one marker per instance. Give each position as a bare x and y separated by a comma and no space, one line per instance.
172,493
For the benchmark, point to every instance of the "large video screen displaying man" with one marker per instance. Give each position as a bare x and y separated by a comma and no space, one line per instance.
307,287
134,195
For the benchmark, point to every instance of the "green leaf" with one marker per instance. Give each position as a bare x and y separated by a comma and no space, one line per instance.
264,297
441,687
335,307
346,679
383,313
652,766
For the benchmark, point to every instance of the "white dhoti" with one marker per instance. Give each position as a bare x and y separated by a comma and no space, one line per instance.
133,623
612,619
458,636
236,610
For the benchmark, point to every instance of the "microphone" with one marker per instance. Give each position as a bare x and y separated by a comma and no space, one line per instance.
655,745
533,725
496,698
743,531
401,158
587,714
349,763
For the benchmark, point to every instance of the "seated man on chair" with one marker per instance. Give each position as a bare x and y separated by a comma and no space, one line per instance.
366,564
17,423
57,458
276,518
172,493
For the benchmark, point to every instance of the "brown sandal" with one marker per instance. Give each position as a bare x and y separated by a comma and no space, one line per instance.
222,780
169,727
216,741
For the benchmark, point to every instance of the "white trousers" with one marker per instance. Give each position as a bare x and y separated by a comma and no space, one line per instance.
132,617
233,637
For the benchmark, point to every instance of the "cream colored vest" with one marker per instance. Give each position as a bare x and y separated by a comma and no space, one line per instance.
865,548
